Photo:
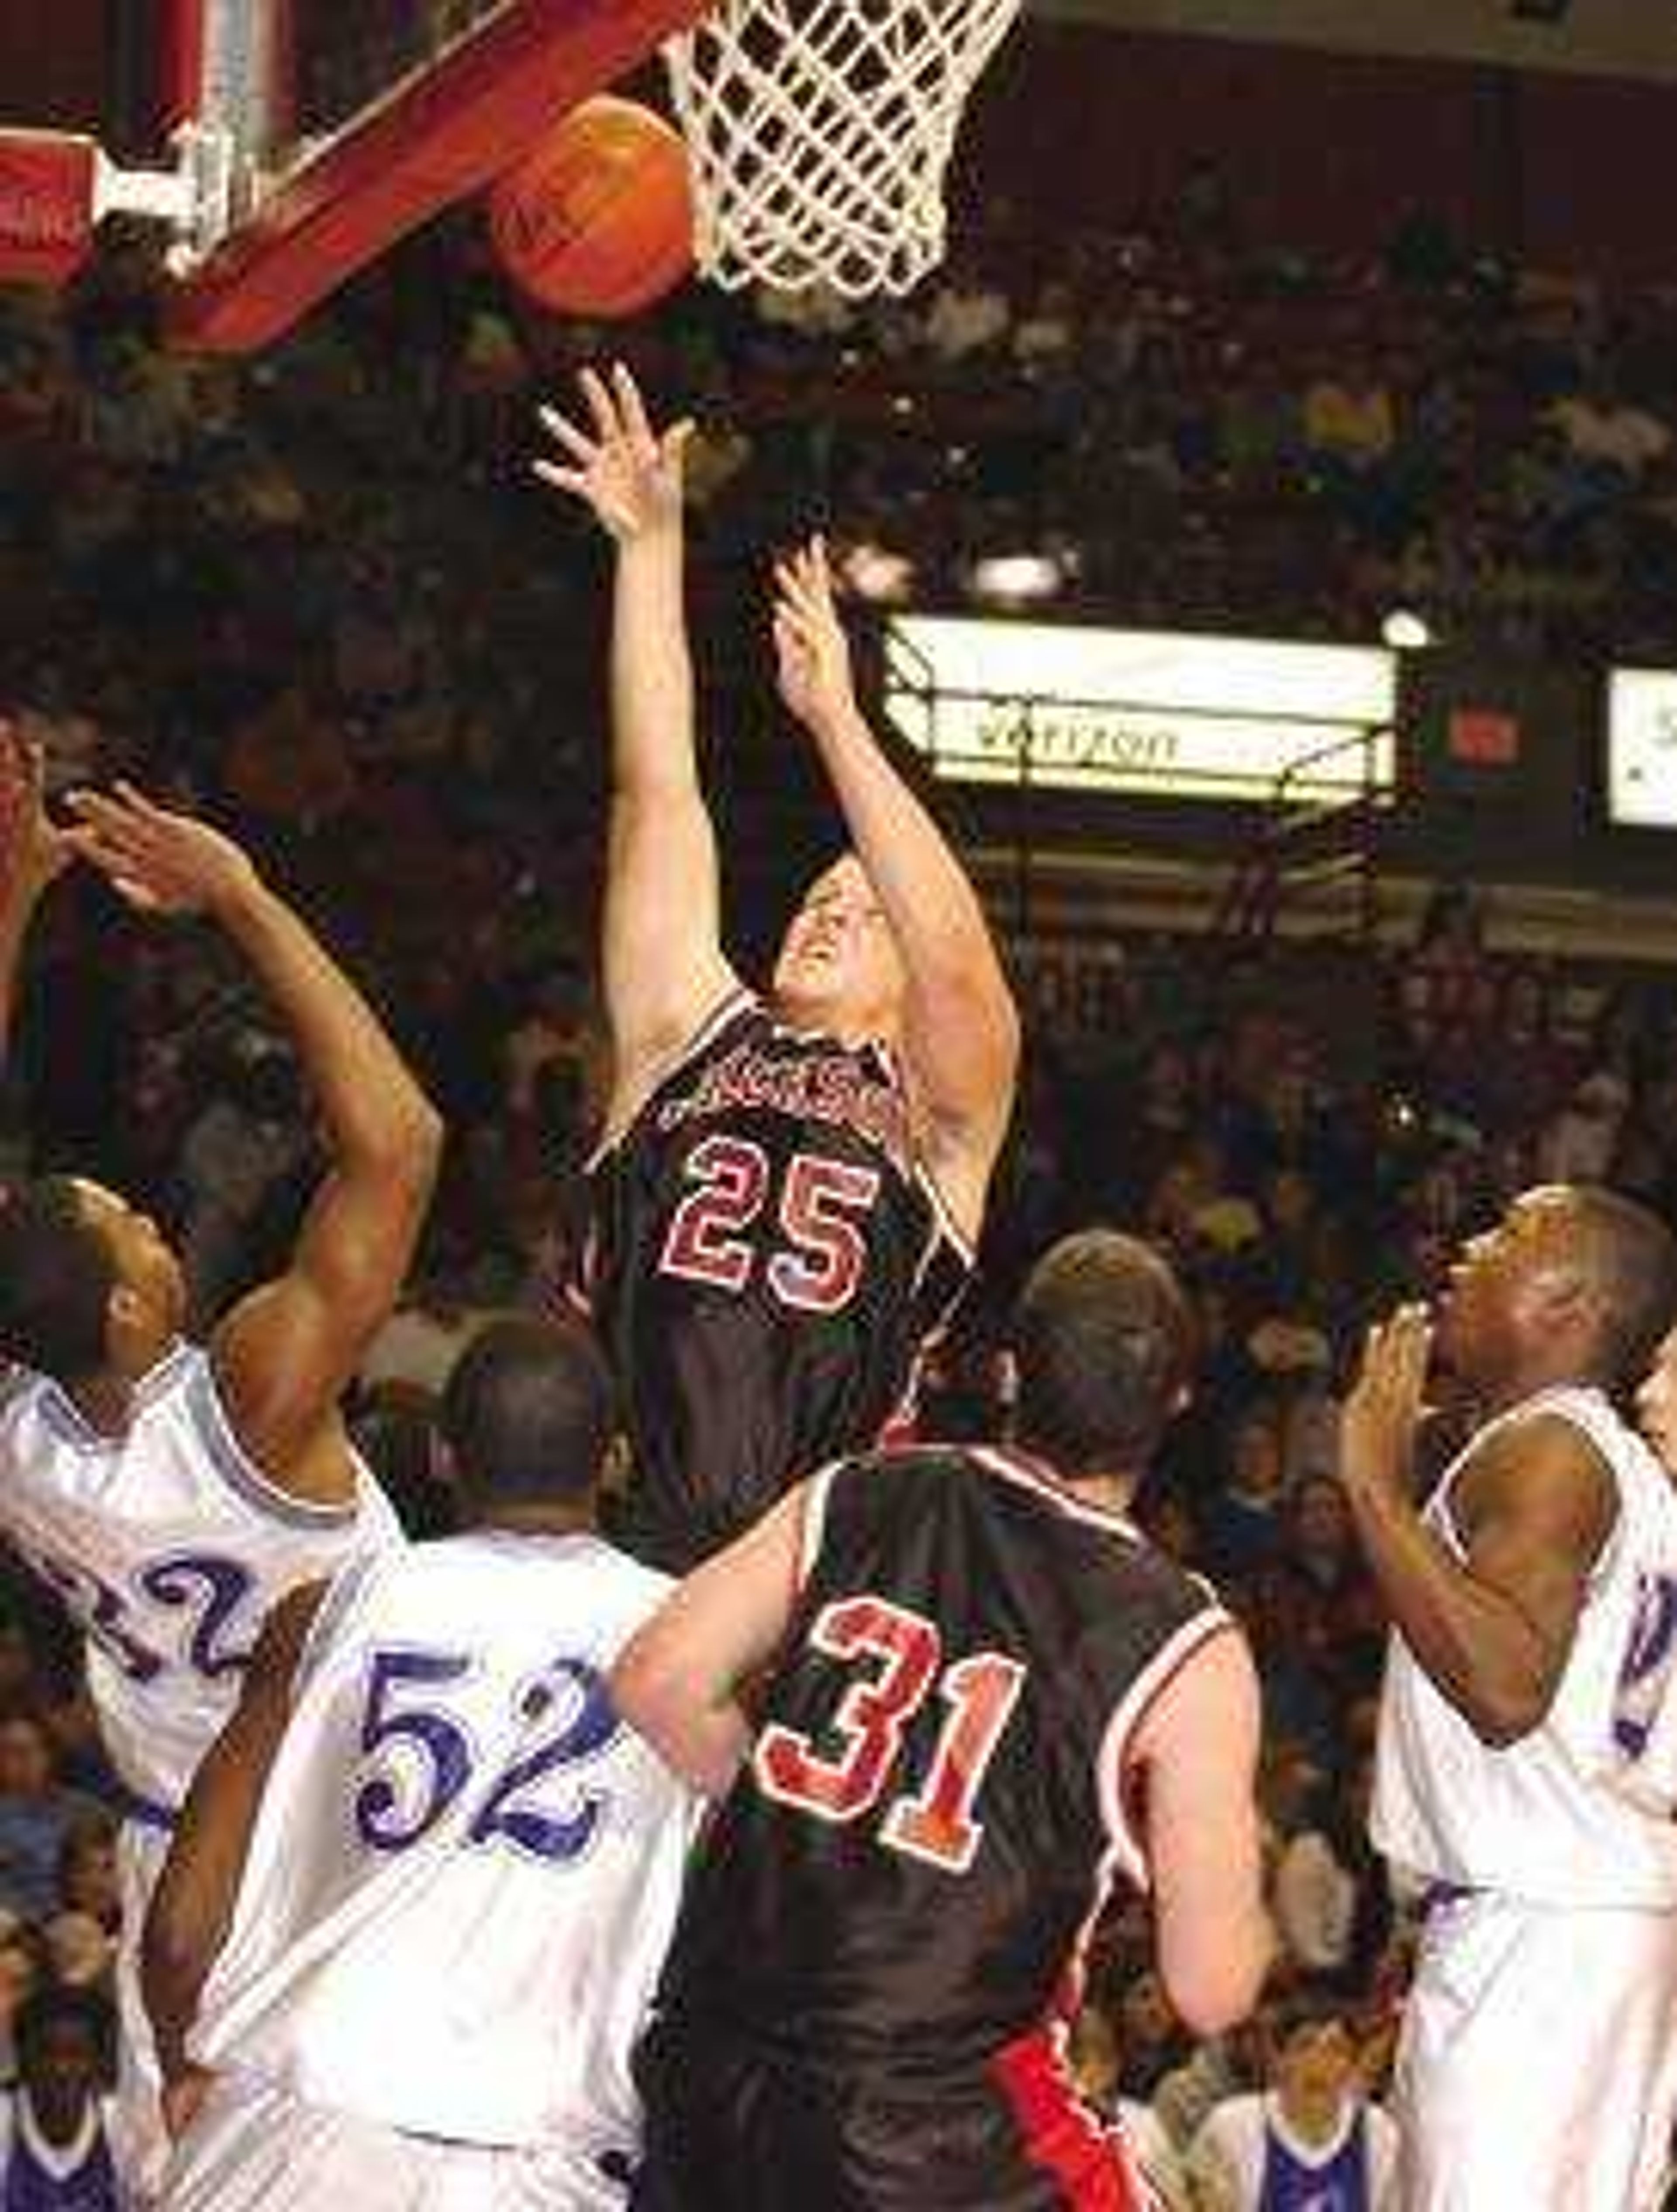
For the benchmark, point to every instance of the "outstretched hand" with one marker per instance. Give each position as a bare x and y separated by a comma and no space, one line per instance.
628,473
34,851
812,651
161,862
1387,1405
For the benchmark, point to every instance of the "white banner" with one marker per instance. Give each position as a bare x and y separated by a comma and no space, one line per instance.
1156,712
1641,748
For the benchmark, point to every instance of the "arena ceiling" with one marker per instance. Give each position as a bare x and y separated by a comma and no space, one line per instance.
1618,37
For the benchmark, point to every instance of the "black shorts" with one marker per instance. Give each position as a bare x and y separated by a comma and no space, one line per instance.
728,2129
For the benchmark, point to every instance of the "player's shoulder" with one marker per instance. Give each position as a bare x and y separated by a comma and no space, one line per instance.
996,1480
738,1016
580,1572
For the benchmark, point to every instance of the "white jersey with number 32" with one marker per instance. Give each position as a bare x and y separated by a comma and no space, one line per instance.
169,1549
1580,1812
465,1868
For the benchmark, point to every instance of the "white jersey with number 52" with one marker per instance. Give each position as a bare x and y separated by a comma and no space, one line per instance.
465,1868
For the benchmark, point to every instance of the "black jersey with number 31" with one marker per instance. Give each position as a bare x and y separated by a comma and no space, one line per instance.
766,1263
935,1806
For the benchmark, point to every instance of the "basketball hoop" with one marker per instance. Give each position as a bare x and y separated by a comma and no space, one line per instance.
820,133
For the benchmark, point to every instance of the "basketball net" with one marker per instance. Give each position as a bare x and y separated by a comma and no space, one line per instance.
820,133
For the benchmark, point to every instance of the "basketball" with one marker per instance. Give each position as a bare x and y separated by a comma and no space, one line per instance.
597,219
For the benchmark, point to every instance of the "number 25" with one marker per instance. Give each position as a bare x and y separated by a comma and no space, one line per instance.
821,1204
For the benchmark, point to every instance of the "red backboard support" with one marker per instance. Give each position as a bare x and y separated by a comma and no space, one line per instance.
439,137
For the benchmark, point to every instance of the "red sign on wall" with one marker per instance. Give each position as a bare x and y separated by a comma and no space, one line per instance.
1483,737
47,183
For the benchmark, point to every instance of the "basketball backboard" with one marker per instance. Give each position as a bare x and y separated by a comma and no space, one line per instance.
298,139
325,130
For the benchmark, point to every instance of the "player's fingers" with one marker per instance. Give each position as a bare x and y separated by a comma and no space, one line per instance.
1373,1374
602,407
1416,1352
571,480
137,895
795,623
631,406
100,852
794,587
146,810
107,815
564,432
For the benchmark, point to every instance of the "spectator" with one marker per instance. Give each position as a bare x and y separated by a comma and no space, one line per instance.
36,1817
1094,2055
1310,2136
54,2150
1240,1524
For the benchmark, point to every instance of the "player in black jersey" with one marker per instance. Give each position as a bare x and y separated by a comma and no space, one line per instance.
992,1698
790,1187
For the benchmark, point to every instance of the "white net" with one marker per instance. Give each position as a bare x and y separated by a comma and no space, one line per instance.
820,133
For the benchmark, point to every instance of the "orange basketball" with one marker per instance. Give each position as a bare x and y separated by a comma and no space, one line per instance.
597,219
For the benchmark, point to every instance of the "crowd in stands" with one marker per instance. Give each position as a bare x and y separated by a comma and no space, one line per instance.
315,592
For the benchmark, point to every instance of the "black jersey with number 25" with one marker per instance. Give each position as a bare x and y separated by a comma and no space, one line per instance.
766,1262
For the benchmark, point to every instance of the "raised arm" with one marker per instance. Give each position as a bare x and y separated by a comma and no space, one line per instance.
1197,1750
285,1355
961,1028
1493,1630
679,1681
663,961
34,854
191,1909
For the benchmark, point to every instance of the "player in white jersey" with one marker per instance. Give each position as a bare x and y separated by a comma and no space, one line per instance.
173,1492
415,1910
1527,1752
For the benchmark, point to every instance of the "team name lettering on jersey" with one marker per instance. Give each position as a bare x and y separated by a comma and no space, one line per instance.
830,1087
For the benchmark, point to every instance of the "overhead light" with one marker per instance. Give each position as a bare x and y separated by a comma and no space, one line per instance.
874,572
1405,631
1015,579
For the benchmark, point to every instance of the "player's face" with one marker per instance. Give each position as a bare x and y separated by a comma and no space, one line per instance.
66,2063
838,962
1482,1316
144,1263
1317,2064
1657,1403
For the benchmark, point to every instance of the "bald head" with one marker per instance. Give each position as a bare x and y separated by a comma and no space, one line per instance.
1627,1259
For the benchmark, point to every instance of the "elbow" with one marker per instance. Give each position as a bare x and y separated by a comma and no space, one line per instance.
1215,1993
1504,1704
651,1698
426,1137
645,1694
172,1970
408,1151
1504,1716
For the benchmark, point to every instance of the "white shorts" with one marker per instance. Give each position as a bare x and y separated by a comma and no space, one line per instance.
255,2148
139,2146
1537,2066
